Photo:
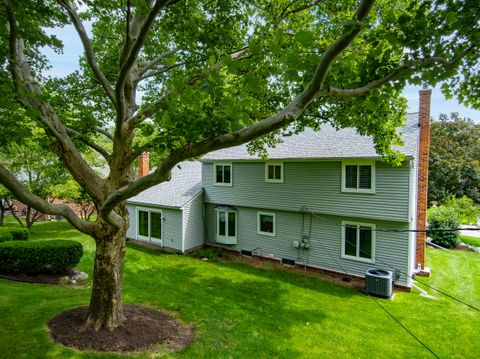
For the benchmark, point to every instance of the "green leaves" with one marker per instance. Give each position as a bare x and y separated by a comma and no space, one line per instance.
454,167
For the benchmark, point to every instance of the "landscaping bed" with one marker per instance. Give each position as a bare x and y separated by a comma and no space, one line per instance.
72,276
143,328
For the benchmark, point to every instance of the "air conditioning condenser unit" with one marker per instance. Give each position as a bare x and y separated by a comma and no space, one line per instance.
379,282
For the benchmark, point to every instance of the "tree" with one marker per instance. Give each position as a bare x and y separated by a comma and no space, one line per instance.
39,171
4,198
78,196
213,74
454,167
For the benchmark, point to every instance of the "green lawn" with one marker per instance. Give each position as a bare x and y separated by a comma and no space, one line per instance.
473,241
244,312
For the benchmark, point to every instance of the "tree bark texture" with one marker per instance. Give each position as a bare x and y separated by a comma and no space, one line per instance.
106,305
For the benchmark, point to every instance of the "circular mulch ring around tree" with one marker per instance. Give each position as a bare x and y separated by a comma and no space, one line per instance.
142,329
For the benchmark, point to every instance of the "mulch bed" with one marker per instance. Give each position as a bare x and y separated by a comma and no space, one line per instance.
40,278
142,329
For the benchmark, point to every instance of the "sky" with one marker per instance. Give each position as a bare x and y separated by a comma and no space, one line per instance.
63,64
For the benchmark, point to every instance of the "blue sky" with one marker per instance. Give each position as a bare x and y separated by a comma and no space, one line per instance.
63,64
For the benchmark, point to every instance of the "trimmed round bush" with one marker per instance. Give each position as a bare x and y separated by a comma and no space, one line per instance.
19,234
443,218
39,257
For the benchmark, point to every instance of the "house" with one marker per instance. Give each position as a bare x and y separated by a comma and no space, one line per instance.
323,199
170,214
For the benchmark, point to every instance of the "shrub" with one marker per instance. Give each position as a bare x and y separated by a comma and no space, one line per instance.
5,235
210,253
464,207
13,234
39,257
443,218
20,234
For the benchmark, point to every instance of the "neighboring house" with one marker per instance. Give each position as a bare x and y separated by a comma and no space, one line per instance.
322,199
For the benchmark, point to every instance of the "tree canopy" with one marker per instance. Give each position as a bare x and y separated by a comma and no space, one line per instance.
180,78
454,168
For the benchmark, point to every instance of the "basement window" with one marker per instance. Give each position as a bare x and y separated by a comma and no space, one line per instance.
358,176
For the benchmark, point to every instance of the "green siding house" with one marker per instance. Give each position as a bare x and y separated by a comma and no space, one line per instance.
323,199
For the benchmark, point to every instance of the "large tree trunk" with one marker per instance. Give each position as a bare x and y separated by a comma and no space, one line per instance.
106,306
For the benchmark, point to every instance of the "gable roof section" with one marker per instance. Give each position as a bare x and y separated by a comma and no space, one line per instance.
185,184
328,143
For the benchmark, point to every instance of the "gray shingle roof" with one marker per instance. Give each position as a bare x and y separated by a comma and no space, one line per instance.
326,143
185,184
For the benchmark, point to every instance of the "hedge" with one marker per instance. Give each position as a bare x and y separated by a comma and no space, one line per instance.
5,235
39,257
14,234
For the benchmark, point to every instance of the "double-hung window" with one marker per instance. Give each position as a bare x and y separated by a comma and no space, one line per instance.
222,174
274,172
358,176
266,223
226,228
149,225
358,241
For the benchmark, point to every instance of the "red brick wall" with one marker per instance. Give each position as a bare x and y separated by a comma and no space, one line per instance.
143,164
423,157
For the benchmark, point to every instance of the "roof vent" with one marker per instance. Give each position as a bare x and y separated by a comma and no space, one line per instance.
379,282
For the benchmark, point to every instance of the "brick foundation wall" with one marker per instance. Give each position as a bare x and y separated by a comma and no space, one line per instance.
422,191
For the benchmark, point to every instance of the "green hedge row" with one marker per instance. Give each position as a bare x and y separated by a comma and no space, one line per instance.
39,257
13,234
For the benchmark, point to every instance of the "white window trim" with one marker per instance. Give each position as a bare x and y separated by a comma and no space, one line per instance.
149,237
226,239
359,163
281,172
357,257
215,164
274,224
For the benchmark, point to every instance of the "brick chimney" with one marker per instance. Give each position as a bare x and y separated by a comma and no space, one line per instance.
143,164
422,191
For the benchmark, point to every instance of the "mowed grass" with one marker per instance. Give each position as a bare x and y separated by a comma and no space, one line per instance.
473,241
240,311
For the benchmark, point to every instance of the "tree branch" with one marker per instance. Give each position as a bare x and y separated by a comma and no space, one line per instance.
159,71
74,134
82,33
285,13
130,53
103,132
288,115
152,108
29,95
144,67
395,74
24,196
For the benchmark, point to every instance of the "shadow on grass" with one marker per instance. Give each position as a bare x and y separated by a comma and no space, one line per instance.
233,306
